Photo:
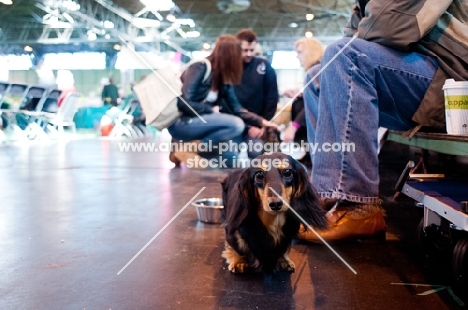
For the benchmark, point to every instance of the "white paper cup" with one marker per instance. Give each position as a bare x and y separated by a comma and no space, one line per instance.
456,106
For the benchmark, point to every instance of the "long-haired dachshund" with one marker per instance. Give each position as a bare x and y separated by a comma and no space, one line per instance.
259,225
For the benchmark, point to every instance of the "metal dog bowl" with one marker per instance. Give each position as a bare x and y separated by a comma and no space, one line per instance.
210,210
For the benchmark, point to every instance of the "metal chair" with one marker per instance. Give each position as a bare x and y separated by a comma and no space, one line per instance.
56,122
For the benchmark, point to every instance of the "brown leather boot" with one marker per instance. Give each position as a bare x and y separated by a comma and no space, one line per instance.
190,159
349,222
174,159
184,152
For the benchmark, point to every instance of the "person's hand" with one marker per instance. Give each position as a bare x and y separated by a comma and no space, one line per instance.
266,123
255,132
289,134
290,93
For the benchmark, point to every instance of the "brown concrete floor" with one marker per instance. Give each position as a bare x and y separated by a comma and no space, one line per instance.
74,214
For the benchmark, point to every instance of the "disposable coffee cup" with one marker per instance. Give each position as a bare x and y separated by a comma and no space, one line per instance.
456,106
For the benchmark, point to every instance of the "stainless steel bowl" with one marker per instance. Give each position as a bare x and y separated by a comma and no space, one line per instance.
210,210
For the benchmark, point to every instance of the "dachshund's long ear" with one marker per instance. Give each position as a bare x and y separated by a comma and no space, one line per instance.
239,197
306,201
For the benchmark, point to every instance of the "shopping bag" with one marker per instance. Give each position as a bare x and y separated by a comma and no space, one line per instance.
158,95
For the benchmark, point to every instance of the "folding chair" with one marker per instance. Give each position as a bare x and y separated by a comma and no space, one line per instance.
4,86
56,122
123,120
138,118
13,98
38,100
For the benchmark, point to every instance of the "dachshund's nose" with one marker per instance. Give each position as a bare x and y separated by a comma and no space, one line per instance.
275,204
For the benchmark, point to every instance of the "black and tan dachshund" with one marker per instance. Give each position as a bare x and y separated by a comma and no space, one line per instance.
259,225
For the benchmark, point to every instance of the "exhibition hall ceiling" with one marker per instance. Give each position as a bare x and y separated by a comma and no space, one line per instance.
159,25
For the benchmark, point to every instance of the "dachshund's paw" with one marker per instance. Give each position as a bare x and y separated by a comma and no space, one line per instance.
285,264
236,262
238,267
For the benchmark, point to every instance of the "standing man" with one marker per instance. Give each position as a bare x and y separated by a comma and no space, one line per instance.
258,90
110,93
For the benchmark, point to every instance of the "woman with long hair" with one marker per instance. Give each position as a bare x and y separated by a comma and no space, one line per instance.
200,122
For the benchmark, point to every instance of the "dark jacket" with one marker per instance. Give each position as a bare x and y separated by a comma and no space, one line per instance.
436,28
258,90
195,90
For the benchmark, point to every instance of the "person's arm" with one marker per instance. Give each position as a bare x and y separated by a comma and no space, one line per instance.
271,95
299,120
194,91
235,107
356,15
398,24
296,123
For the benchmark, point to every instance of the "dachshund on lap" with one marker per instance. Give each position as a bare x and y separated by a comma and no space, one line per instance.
259,224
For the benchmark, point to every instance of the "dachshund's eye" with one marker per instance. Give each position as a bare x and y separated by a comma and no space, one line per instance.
287,173
259,176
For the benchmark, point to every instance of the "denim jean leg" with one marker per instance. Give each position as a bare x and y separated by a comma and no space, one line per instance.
214,127
311,100
364,86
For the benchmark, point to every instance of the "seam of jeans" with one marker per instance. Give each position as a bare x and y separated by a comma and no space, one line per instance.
351,198
347,126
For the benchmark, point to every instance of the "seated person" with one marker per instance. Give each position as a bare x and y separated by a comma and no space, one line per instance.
199,121
381,76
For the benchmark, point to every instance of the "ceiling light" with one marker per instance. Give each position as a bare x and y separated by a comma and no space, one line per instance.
28,48
141,23
309,34
160,5
91,35
117,47
206,46
70,5
6,2
192,34
233,6
171,18
108,24
310,16
293,25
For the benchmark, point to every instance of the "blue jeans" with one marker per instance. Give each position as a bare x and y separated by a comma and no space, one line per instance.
366,86
219,127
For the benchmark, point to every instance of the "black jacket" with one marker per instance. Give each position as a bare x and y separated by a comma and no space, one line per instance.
258,91
195,90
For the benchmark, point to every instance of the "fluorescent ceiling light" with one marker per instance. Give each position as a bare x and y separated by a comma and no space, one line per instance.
75,61
145,23
15,62
159,5
192,34
7,2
